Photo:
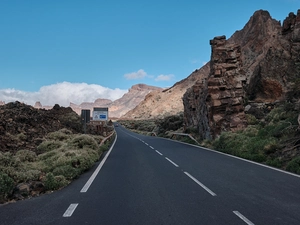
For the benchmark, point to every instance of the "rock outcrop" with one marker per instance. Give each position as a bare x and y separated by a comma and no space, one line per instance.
225,87
216,103
258,64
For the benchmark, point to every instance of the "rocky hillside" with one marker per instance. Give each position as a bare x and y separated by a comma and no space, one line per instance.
24,127
250,72
163,103
44,150
119,107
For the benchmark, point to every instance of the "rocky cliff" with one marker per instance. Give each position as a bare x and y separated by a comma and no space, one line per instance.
257,66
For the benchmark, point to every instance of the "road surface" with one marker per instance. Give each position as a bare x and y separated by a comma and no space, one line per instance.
150,180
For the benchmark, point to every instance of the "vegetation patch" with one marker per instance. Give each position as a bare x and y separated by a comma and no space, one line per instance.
266,141
6,186
59,159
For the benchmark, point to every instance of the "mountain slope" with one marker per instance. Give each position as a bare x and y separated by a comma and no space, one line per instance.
159,104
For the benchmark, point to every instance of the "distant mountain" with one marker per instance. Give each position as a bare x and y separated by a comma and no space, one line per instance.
162,103
118,107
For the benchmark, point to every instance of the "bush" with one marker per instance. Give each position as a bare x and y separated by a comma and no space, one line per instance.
47,155
104,148
85,161
67,171
274,162
84,141
52,182
6,185
65,131
8,160
251,120
24,175
22,137
26,156
58,136
294,165
47,146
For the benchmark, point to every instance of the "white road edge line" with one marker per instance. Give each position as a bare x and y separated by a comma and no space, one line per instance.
70,210
232,156
199,183
159,152
171,162
151,147
146,144
242,217
90,181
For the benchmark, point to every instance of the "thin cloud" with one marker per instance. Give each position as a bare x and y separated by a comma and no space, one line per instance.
62,94
136,75
194,61
198,61
164,77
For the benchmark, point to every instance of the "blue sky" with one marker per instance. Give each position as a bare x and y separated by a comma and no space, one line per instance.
112,44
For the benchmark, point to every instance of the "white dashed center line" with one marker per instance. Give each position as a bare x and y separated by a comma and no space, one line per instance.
70,210
242,217
159,152
199,183
171,162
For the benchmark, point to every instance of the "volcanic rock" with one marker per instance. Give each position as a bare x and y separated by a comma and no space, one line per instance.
24,127
257,64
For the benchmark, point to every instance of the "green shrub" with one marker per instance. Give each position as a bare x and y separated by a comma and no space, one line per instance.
47,155
84,141
104,147
67,171
6,185
26,156
271,146
58,136
65,131
47,146
251,120
22,137
251,131
7,159
52,182
294,165
84,161
274,162
23,175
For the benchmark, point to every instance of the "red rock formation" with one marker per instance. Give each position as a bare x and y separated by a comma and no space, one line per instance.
225,87
258,64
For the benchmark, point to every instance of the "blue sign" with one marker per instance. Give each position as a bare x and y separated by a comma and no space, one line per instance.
102,116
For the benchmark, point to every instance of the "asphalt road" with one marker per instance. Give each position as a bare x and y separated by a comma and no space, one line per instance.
149,180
